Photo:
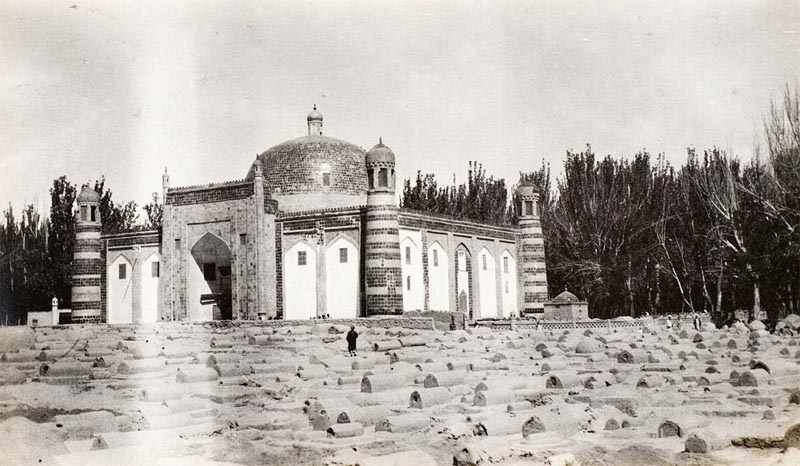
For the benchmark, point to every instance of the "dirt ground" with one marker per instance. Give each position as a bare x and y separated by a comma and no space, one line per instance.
254,395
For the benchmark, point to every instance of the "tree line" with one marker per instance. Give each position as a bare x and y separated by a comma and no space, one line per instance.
36,252
629,235
639,235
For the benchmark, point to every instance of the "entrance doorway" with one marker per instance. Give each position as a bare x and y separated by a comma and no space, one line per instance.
210,280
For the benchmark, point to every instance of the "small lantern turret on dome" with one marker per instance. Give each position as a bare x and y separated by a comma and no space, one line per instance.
314,120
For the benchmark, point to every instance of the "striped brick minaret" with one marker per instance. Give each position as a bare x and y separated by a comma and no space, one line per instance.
384,279
533,279
87,264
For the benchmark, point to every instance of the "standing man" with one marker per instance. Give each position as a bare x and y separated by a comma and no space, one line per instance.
352,336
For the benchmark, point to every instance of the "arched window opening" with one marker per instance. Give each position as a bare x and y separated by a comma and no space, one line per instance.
382,178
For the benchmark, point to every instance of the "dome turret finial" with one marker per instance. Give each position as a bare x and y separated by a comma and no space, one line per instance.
314,120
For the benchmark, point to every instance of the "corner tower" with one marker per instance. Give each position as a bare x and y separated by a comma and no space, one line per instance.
530,241
384,278
87,264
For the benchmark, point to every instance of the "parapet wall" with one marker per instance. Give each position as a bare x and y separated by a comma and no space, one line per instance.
565,325
421,323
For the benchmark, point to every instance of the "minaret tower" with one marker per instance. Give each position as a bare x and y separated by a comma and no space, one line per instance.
87,264
384,279
533,275
164,186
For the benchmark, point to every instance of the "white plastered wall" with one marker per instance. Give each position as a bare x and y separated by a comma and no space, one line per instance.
300,283
488,283
413,283
509,283
149,298
120,292
438,278
341,279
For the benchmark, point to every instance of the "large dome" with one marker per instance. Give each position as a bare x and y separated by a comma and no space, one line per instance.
314,172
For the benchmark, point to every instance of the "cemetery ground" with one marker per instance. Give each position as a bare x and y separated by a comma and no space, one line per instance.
252,393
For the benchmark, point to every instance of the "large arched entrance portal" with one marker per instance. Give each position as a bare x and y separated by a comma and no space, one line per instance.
210,280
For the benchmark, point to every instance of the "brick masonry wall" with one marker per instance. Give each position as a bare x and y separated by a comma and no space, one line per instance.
103,282
296,167
133,239
531,263
279,268
87,271
425,278
206,194
383,274
227,212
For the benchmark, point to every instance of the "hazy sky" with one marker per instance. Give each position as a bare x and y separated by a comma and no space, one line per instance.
126,88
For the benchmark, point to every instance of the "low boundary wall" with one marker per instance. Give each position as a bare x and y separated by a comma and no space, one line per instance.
413,323
564,325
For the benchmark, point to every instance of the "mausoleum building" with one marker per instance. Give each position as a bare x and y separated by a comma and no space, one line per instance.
313,229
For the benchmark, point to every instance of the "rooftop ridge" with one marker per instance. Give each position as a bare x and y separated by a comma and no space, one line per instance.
300,213
407,210
130,233
200,187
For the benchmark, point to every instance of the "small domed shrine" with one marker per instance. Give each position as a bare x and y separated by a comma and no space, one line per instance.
566,306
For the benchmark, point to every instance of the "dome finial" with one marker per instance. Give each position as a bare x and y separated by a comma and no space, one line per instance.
380,139
314,120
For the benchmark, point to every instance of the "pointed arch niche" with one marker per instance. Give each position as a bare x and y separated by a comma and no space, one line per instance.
341,278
